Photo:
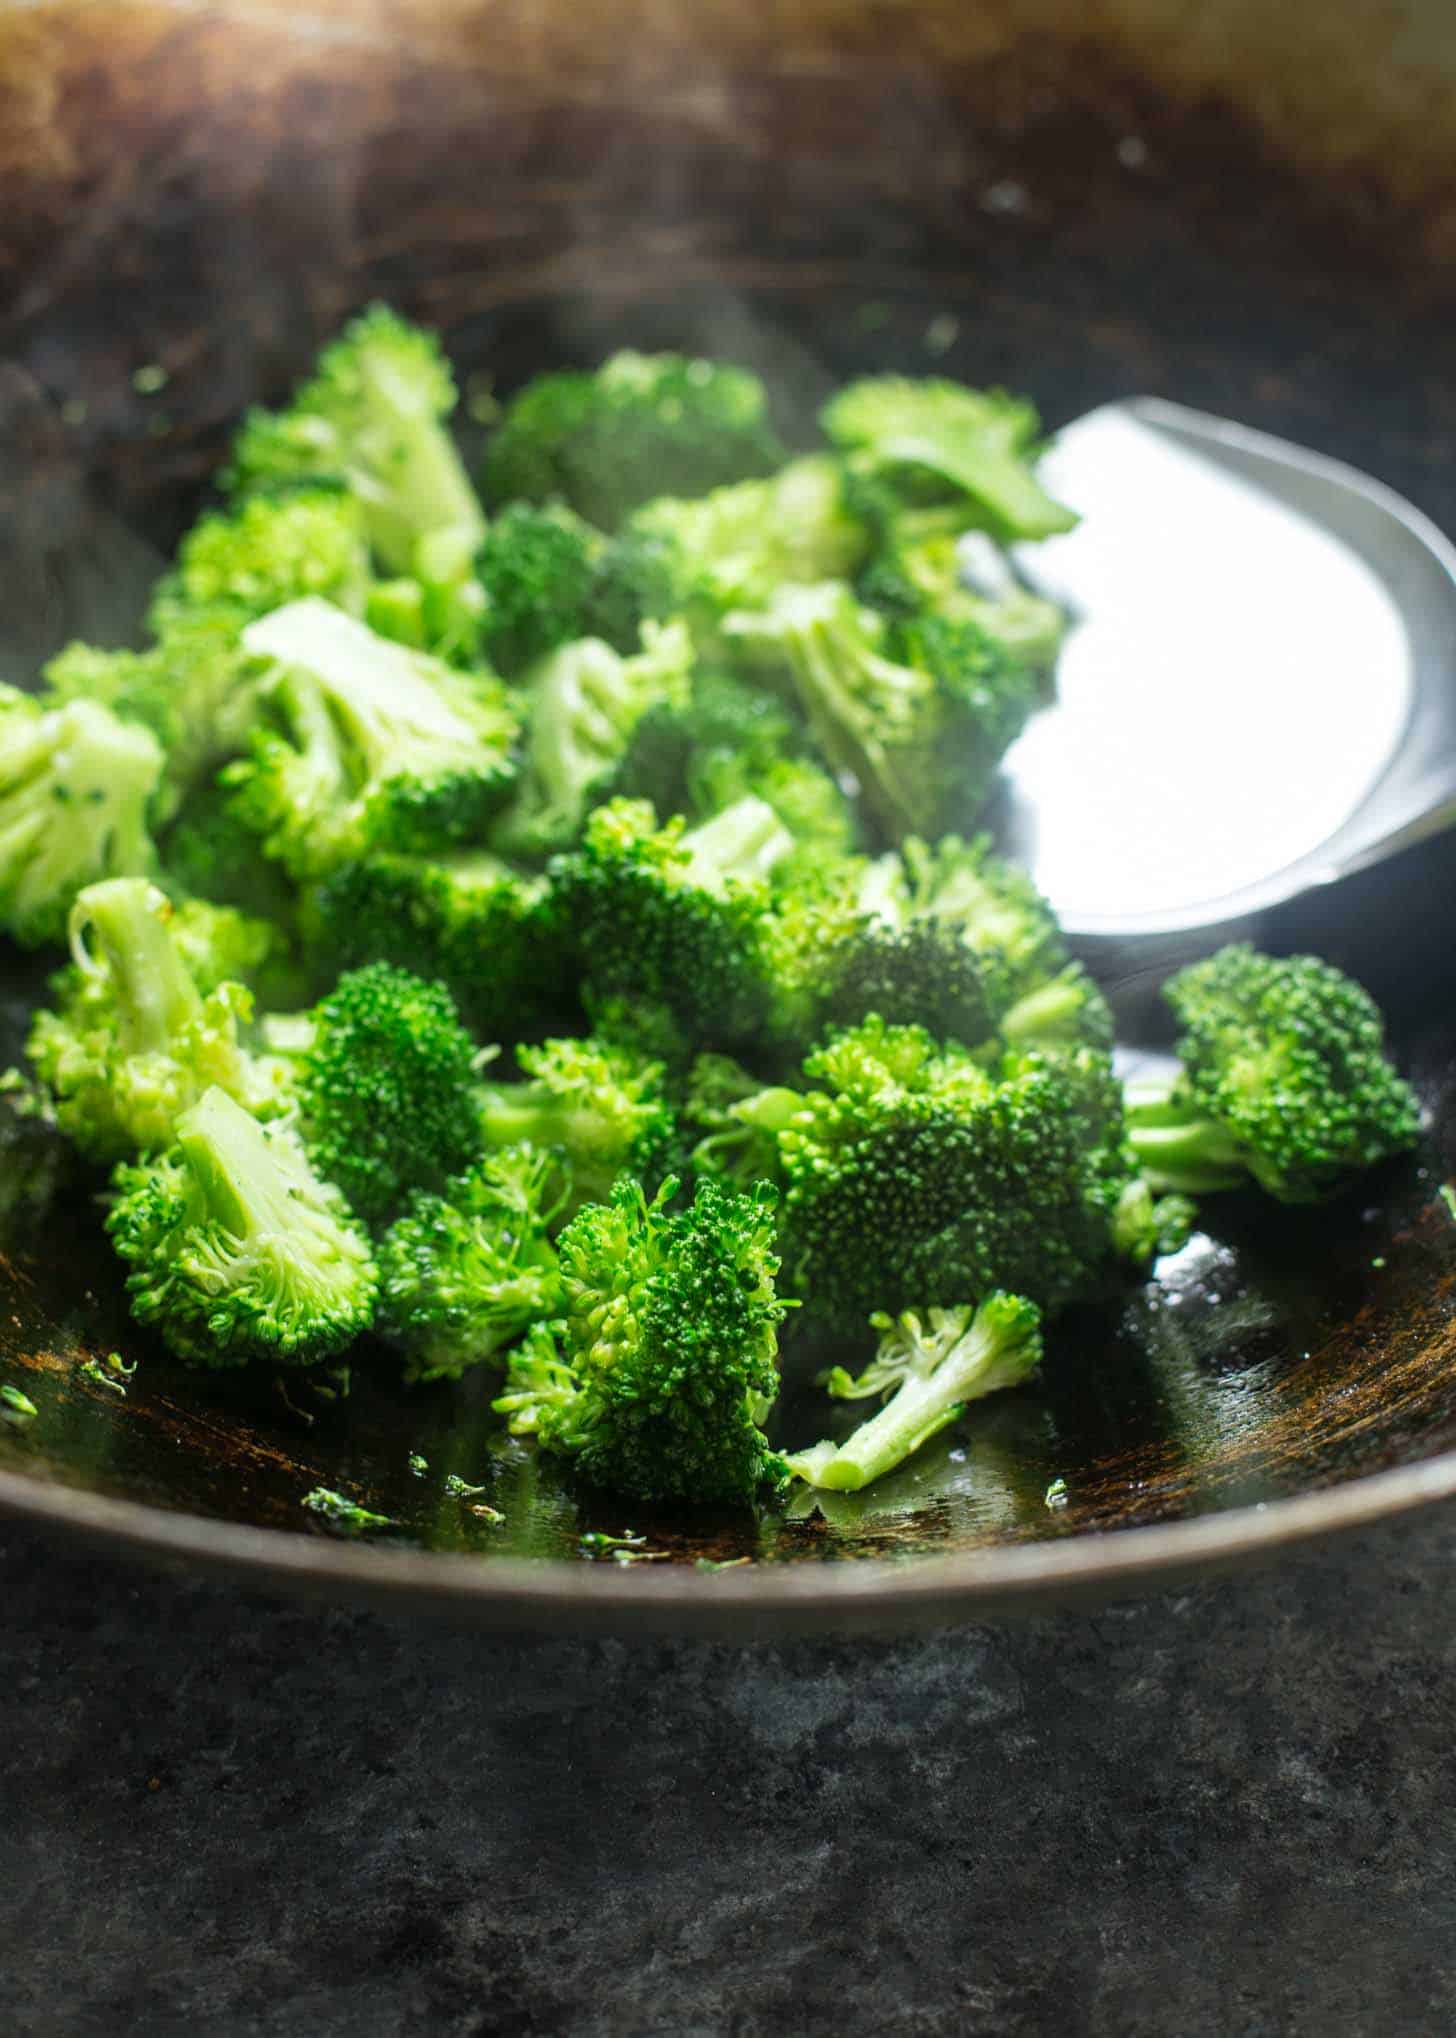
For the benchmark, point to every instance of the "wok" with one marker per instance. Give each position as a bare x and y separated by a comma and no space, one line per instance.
1240,208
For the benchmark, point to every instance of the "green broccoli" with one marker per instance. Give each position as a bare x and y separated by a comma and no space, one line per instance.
918,717
132,1040
464,1273
382,1074
465,918
372,420
598,1106
235,565
237,1249
366,745
75,782
913,573
675,918
733,549
683,748
1284,1081
929,443
927,1372
923,1169
440,607
639,426
662,1370
537,569
584,701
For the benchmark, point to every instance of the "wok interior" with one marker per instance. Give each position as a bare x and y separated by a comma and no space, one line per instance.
217,195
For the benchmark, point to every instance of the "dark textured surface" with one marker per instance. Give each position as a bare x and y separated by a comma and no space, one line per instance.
1227,1811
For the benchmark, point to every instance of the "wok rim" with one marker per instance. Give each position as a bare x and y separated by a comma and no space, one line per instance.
787,1599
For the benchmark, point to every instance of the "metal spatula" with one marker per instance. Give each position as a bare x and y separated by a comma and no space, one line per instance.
1258,692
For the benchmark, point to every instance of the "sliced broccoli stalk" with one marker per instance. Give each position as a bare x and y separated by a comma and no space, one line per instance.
601,1108
132,1041
928,1372
368,746
931,441
639,426
237,1250
372,420
584,702
465,1273
75,783
1285,1082
657,1379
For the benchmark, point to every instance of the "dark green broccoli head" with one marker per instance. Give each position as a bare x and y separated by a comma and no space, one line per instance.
600,1107
237,1249
664,1364
536,565
675,918
383,1083
366,745
1285,1079
467,919
639,426
681,748
75,785
371,421
465,1273
932,442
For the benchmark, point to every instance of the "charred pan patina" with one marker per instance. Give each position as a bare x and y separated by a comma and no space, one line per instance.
210,194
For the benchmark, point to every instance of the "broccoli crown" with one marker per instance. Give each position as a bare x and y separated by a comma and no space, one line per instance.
912,573
75,782
596,1104
675,918
371,421
467,919
366,745
736,1120
918,719
383,1086
463,1274
220,944
237,1249
681,749
242,563
132,1041
641,425
440,607
536,565
918,1169
735,548
927,1371
931,442
664,1364
1285,1079
584,702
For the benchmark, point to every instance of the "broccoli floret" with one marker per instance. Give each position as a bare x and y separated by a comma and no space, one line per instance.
680,748
1285,1080
916,1169
664,1365
467,919
383,1074
237,1249
602,1109
918,719
440,607
931,442
537,567
235,565
927,1372
736,548
371,421
366,745
736,1121
583,703
641,425
675,918
141,1025
912,573
75,782
463,1274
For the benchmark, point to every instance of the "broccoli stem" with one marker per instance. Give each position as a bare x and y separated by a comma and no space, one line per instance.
1178,1149
247,1183
745,841
155,996
1051,1012
428,489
